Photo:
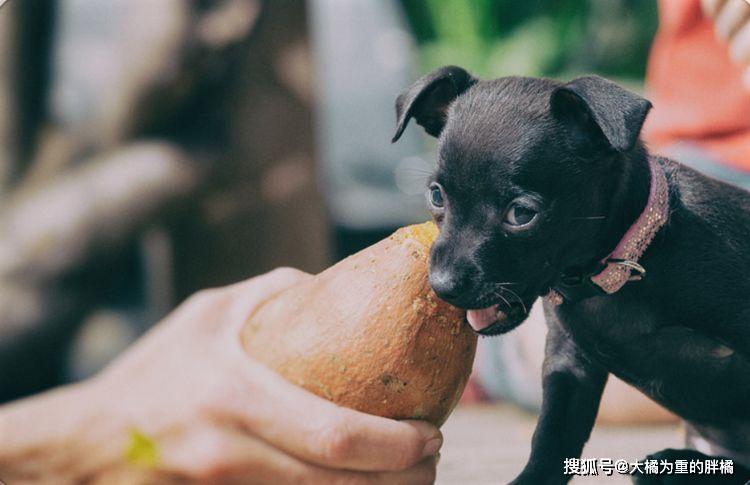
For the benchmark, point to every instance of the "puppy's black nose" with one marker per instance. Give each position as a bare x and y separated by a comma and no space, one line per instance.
447,285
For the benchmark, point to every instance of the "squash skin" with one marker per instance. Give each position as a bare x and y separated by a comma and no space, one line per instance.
370,334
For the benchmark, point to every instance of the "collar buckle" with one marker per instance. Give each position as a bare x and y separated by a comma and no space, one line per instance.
637,272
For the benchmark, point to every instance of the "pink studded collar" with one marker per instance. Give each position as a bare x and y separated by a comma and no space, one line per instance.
621,265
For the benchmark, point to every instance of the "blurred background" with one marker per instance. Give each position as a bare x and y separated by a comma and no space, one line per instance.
152,149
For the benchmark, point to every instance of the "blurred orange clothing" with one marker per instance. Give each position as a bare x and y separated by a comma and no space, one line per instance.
696,89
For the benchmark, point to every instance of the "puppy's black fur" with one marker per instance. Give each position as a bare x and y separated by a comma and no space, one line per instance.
537,179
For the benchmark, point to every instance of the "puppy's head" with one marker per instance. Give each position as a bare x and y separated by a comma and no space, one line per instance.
526,173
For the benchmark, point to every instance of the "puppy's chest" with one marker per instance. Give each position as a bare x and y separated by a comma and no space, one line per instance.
663,359
597,326
607,333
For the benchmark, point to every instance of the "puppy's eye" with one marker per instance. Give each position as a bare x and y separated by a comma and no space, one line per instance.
435,195
519,215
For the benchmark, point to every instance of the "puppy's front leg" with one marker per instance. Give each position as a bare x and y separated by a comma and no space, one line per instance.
572,389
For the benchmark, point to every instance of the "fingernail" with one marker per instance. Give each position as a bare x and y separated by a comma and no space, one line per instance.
432,447
432,436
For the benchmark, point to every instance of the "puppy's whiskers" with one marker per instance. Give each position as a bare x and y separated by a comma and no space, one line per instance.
590,218
416,171
504,300
514,294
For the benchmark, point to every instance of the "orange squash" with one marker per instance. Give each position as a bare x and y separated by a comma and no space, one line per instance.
369,333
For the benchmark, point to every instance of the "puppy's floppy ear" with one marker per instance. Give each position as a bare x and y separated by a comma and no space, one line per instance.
427,100
595,107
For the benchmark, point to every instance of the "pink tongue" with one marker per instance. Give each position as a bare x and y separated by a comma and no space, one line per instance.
481,319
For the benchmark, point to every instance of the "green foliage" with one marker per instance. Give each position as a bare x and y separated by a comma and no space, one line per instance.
535,37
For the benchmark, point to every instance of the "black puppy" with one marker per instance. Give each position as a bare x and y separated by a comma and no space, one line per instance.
540,189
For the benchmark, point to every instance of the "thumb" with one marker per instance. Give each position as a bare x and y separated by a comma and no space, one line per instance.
247,295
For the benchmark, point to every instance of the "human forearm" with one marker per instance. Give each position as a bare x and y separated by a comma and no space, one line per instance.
55,437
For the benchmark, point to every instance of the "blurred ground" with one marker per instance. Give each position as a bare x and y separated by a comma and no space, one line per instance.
489,444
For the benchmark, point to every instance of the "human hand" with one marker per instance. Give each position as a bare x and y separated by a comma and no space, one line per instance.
732,24
198,408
